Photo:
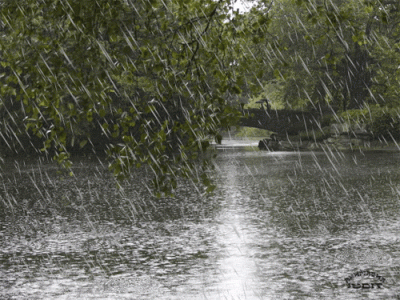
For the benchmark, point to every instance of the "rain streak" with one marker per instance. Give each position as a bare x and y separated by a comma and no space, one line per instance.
202,149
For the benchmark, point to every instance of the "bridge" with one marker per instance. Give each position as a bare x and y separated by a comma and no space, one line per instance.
283,122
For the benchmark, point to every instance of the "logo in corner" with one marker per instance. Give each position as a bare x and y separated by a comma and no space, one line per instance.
364,280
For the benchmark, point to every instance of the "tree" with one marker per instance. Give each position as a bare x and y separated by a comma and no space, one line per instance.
154,75
332,52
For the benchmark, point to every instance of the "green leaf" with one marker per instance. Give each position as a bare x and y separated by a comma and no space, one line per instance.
83,143
210,188
89,116
236,89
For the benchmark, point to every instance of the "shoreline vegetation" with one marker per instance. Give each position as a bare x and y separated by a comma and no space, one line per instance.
294,144
370,128
337,137
238,139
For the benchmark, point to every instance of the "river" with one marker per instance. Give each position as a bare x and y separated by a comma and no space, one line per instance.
281,225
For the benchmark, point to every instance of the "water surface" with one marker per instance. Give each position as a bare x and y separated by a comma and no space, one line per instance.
281,225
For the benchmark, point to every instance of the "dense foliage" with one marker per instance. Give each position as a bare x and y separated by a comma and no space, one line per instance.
382,122
342,53
156,80
155,77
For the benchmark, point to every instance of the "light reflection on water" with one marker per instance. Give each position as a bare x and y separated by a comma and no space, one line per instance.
282,225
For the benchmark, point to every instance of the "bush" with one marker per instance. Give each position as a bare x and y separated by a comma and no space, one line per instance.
315,136
327,120
385,123
354,116
380,121
252,132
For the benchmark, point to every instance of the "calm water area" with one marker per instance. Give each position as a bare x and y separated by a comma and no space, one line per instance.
281,225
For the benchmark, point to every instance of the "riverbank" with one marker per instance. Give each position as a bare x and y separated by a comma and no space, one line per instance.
294,143
338,146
